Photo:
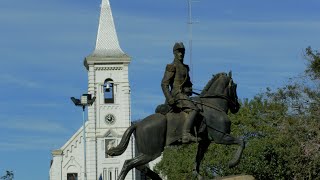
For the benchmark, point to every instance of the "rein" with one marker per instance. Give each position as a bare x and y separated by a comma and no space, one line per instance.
208,105
222,97
213,107
204,104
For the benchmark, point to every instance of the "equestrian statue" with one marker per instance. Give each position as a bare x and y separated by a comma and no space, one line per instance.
184,119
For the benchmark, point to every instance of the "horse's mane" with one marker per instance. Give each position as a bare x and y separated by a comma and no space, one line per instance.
213,79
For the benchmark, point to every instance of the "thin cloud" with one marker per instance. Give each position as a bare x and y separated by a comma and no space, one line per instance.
23,142
32,125
303,24
144,104
148,96
19,81
32,105
250,33
43,105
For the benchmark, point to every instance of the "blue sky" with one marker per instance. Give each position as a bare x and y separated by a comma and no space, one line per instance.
43,44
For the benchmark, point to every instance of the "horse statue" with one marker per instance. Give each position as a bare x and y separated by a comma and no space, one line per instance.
155,132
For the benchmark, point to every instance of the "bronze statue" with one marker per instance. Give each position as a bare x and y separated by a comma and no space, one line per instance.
177,88
158,130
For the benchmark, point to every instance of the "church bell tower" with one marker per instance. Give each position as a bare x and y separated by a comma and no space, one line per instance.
109,116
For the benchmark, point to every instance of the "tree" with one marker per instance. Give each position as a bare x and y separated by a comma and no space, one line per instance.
9,176
313,66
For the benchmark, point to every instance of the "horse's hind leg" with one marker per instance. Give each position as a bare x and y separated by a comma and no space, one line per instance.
139,160
148,172
229,140
202,149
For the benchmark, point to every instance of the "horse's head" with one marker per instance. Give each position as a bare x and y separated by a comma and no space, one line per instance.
222,86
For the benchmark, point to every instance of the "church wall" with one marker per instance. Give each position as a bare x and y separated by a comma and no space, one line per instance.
68,159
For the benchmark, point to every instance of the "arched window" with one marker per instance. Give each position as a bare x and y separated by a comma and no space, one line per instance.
108,89
72,176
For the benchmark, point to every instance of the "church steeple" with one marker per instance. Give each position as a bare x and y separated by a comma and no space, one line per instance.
107,44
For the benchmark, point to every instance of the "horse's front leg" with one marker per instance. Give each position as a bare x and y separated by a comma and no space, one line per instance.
202,149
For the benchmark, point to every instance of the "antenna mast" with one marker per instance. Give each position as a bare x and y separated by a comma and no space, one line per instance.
190,23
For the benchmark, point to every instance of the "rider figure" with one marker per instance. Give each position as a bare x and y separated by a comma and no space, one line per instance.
177,88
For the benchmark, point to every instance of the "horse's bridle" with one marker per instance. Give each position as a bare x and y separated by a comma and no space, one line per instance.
231,89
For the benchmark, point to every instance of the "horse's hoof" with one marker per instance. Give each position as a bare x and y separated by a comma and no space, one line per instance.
196,175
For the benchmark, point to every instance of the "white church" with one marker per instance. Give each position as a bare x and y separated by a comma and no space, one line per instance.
108,117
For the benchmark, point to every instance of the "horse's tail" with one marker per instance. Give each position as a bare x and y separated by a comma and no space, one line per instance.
116,151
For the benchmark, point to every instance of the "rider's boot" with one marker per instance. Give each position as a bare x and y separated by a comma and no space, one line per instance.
187,137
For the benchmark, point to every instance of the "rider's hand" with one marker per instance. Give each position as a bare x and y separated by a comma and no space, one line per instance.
171,101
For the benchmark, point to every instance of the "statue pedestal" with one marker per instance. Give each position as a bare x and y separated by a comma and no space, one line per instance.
236,177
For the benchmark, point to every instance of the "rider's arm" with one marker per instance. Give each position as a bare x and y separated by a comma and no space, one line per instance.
167,79
187,83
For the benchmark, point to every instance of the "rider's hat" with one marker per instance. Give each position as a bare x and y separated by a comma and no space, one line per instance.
178,45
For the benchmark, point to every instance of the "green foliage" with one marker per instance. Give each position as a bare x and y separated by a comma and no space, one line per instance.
313,67
178,159
9,176
282,131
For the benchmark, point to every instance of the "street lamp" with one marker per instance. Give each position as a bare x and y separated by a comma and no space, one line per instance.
84,101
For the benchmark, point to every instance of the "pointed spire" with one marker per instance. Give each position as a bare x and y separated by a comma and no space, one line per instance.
107,44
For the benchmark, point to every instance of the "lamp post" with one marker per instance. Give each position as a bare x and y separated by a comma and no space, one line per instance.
84,101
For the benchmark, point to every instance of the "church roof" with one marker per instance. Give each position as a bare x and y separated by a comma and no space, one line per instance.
107,44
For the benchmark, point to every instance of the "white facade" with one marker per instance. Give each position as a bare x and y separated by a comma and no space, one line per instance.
108,117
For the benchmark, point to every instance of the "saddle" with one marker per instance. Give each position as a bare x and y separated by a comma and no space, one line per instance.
175,122
165,108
